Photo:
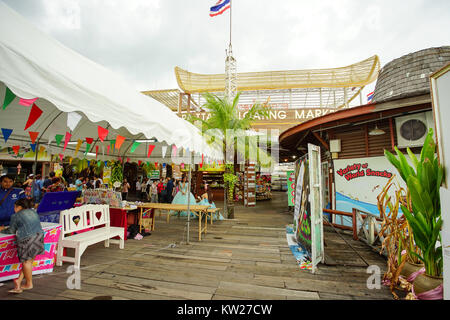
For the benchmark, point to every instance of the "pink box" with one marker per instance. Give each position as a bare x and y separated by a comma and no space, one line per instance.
10,265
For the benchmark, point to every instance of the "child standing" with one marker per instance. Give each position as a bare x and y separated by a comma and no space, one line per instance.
26,225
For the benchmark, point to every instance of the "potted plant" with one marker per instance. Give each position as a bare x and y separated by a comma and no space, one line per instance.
423,210
396,242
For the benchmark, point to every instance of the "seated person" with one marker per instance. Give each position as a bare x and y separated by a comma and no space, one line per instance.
8,196
207,199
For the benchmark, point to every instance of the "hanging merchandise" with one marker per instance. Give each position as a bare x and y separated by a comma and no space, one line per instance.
73,118
67,139
35,113
6,133
9,97
102,133
27,102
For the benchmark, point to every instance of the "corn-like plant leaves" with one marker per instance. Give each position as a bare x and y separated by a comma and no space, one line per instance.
421,200
428,148
394,161
413,157
406,168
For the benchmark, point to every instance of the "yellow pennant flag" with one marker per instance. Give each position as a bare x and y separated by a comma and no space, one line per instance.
70,160
78,146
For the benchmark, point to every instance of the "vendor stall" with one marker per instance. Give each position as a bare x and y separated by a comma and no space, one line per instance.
9,262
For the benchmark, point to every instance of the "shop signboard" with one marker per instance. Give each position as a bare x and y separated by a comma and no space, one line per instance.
153,174
291,187
359,181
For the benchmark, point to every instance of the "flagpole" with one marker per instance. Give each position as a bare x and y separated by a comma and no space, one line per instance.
231,8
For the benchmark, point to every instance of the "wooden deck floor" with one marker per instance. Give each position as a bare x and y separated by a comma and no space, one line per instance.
245,258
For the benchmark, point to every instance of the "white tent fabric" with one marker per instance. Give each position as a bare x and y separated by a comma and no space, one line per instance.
34,65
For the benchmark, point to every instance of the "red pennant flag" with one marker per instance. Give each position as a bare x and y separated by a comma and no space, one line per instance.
139,162
150,150
156,165
61,156
107,150
33,136
66,140
128,159
119,141
16,149
35,113
102,133
89,140
96,152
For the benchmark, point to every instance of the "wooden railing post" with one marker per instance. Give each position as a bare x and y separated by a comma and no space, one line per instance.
355,224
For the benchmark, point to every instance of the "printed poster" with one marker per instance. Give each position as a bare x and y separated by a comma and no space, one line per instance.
291,187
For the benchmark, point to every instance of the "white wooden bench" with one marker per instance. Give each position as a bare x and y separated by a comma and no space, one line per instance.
81,218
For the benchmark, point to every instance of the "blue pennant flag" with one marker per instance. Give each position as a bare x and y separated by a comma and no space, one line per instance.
33,146
6,133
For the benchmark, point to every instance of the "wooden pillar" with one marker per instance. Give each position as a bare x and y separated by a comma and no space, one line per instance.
249,185
189,103
391,131
366,136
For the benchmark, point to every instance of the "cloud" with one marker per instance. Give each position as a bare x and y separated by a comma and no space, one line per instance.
143,40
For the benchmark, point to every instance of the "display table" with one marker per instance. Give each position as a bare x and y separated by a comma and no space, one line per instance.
198,210
119,218
10,265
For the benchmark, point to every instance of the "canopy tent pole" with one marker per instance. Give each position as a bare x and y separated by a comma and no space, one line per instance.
189,196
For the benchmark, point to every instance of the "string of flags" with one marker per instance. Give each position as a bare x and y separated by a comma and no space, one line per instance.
73,119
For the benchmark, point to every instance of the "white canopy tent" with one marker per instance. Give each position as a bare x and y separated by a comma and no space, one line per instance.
33,65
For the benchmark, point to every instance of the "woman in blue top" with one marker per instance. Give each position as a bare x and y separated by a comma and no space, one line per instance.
207,199
26,226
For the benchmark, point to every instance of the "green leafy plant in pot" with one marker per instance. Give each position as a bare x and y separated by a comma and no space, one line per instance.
424,210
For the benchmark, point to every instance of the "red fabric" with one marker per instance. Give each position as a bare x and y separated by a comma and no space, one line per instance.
160,187
118,218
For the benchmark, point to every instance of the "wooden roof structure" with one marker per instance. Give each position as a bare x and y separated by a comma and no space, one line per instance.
293,89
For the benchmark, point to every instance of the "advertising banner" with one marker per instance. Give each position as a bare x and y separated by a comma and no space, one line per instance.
359,181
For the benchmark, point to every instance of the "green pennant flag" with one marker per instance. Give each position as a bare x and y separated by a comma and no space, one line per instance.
112,143
9,97
58,139
87,148
134,146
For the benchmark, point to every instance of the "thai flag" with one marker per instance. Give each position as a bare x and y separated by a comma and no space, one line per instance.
370,97
220,7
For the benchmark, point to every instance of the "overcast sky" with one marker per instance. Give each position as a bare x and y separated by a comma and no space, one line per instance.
143,40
